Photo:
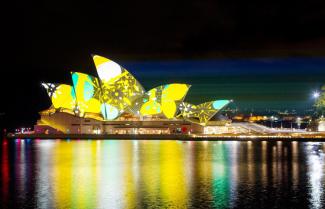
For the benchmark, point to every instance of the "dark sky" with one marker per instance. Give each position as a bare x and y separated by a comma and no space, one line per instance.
47,39
182,29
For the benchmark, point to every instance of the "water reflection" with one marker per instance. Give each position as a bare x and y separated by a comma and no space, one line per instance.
4,172
220,177
315,160
43,189
161,174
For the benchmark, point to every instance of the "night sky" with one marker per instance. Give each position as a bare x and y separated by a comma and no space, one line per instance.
259,53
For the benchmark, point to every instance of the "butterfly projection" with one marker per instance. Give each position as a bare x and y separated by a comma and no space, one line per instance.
88,93
116,91
201,113
163,99
61,95
119,87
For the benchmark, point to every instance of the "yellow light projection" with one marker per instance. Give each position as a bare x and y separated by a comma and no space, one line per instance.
201,113
150,105
88,92
171,96
163,99
119,86
117,91
62,95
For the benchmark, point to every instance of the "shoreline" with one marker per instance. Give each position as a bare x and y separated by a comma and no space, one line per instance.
302,137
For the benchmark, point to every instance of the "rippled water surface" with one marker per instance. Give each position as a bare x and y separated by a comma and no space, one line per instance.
161,174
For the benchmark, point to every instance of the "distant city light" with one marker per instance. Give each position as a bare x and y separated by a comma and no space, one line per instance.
316,94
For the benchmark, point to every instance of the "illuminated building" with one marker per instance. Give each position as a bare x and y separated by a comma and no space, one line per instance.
115,102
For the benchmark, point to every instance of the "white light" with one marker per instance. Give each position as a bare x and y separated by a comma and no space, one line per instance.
108,70
97,131
45,85
316,94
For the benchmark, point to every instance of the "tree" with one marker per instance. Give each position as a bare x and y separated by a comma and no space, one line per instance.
320,102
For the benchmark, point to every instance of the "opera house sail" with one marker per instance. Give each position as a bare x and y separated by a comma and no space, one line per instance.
114,101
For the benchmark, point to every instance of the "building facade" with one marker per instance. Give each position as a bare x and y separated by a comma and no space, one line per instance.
114,102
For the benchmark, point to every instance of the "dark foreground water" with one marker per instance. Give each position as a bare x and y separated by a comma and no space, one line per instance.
162,174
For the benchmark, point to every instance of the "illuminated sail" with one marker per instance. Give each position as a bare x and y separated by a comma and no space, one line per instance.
116,91
88,93
119,86
61,95
163,99
201,113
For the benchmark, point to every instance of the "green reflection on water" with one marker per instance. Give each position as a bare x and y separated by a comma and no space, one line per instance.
220,180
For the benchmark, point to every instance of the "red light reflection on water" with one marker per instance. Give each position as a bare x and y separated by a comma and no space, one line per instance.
4,169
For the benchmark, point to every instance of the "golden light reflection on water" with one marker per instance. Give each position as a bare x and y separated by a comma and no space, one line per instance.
172,181
62,179
264,163
131,178
161,174
295,164
89,174
149,169
250,162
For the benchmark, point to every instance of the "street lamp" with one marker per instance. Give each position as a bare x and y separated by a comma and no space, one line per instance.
298,121
272,119
316,94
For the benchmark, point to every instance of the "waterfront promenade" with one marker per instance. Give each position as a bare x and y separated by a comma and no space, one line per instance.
251,131
185,137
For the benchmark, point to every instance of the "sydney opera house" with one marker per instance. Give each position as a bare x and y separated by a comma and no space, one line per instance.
116,103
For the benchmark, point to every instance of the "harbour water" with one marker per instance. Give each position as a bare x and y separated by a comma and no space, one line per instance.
161,174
